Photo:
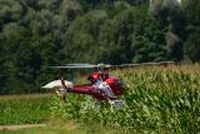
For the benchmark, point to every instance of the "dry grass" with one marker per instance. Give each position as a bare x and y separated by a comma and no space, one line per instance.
23,96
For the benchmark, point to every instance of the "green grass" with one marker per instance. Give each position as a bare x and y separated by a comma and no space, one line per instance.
36,108
24,109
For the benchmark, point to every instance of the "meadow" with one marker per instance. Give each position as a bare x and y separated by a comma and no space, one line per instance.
158,100
24,109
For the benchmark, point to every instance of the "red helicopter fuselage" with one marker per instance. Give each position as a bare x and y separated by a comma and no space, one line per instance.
113,86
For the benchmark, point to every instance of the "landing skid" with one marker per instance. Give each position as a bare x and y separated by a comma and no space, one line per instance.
116,104
62,92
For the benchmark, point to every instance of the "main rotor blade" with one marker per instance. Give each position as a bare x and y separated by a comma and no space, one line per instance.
81,66
74,67
78,64
145,64
86,65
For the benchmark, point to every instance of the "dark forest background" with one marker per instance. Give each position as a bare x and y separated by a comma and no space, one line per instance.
35,34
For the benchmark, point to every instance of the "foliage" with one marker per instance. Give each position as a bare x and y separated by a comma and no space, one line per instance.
174,47
192,46
158,100
35,34
148,39
192,43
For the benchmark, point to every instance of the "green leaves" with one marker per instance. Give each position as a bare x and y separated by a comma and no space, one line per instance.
35,34
158,100
192,47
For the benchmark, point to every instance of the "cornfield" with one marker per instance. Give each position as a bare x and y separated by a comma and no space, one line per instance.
158,100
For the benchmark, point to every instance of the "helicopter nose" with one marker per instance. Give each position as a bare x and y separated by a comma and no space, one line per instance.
121,85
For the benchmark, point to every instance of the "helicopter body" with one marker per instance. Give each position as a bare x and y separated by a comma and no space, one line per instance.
101,85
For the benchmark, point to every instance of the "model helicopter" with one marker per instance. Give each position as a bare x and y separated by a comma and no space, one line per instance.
101,86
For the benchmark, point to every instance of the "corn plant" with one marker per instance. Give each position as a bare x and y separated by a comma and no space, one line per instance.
158,100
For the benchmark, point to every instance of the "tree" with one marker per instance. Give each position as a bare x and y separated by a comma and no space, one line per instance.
12,36
173,22
70,9
174,47
82,37
192,10
27,62
192,47
115,38
10,11
148,38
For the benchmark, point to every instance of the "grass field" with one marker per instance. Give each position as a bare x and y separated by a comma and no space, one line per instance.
159,100
18,111
24,109
58,127
50,130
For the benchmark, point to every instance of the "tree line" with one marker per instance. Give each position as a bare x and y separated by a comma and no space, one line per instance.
35,34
